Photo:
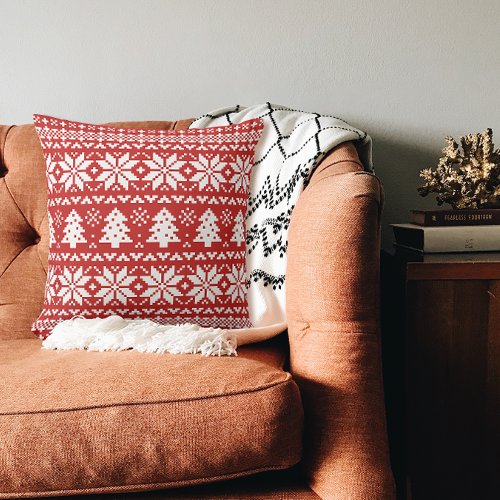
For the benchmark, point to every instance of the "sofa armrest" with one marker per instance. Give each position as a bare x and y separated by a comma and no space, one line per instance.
333,318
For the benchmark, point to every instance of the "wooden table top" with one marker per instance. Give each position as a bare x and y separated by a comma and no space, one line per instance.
446,266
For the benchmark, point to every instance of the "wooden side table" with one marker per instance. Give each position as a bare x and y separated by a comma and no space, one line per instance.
448,307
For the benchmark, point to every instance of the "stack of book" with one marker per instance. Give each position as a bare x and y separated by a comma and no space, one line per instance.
439,231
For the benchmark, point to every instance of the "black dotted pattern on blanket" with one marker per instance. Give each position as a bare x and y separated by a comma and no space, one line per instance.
271,194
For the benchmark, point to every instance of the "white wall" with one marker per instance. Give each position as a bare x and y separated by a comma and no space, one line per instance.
408,72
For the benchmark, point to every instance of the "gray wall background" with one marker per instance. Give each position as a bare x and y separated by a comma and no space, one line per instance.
408,72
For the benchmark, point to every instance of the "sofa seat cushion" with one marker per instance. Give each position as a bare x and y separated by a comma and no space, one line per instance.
83,422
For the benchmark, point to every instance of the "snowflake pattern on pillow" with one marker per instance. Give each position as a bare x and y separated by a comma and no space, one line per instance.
147,223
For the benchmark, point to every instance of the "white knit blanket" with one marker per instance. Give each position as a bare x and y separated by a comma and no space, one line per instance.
293,143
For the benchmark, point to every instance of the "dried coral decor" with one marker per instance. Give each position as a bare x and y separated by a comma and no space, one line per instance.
466,176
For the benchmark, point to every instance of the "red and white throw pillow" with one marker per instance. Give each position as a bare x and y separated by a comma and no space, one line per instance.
147,223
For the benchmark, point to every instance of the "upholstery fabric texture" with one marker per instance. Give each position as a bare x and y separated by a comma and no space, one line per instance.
95,422
332,305
147,224
334,331
273,485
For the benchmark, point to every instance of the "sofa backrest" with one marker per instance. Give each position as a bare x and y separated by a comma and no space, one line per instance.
24,233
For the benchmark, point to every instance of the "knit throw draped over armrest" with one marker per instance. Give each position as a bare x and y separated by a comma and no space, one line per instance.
292,145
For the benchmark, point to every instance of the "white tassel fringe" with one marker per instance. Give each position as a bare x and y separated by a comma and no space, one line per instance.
117,334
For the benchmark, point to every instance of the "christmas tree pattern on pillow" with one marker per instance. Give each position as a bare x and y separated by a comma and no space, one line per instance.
146,223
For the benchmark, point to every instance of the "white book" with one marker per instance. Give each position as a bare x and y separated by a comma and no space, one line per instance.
448,238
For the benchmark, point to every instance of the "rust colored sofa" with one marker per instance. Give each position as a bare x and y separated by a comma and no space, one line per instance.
297,417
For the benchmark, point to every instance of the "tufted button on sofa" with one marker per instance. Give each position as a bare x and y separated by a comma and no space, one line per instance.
310,404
